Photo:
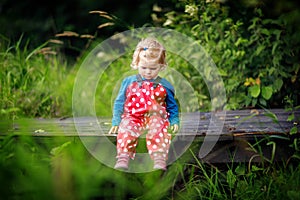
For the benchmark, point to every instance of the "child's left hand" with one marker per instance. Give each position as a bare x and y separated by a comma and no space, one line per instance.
174,128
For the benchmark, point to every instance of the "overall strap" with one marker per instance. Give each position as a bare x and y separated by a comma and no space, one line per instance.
139,80
156,82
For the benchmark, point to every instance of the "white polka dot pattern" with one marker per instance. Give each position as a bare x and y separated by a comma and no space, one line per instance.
144,109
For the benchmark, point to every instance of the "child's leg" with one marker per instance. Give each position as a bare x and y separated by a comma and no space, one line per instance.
128,133
158,141
160,162
123,161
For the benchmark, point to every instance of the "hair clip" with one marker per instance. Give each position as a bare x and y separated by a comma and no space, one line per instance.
145,48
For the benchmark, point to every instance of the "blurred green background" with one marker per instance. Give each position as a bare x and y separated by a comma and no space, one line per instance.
254,44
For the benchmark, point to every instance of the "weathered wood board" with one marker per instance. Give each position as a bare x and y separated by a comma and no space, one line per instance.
237,132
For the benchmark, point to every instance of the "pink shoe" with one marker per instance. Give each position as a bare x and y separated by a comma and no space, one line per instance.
160,163
122,162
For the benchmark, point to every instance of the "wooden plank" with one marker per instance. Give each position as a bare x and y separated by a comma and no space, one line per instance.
236,123
242,128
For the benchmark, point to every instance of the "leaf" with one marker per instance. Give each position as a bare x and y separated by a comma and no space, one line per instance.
222,72
277,84
259,49
240,170
57,150
262,101
3,111
283,74
294,130
231,178
274,47
246,118
272,116
248,101
291,117
207,73
247,83
267,92
265,31
294,78
254,90
280,137
277,33
255,168
254,102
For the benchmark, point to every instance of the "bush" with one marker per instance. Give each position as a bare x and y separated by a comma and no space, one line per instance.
256,56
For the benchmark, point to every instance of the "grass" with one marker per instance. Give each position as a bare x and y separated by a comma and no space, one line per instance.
236,182
32,82
62,169
39,83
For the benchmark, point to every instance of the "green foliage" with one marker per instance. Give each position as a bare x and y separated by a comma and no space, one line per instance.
63,169
238,182
31,81
257,59
38,167
256,56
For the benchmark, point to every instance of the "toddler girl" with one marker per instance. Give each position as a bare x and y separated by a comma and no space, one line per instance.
145,102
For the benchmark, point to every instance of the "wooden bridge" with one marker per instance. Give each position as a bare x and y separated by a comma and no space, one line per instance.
231,136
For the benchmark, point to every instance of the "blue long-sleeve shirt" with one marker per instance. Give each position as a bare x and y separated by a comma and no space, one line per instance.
171,105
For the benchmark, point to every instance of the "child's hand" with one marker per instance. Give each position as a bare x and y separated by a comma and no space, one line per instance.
113,130
174,128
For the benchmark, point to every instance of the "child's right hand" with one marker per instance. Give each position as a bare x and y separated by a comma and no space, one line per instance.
113,130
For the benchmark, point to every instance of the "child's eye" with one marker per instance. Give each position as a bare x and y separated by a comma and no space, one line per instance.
150,68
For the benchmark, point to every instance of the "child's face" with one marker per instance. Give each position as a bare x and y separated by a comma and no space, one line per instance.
149,71
148,65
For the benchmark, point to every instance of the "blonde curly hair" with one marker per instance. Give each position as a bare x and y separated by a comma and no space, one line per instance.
153,51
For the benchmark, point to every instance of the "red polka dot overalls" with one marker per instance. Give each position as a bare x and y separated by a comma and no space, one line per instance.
144,109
